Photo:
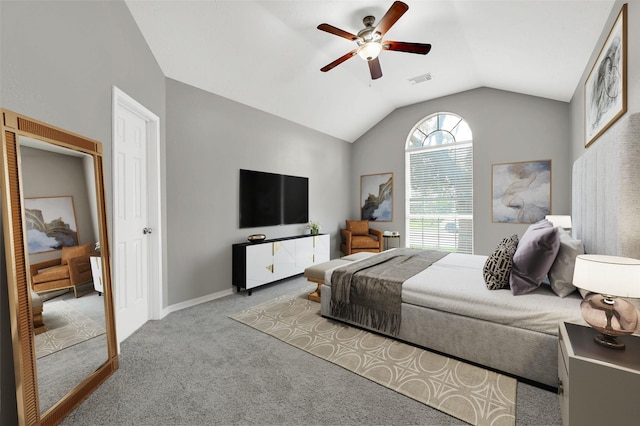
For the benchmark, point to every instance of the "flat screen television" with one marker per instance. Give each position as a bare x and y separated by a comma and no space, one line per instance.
268,199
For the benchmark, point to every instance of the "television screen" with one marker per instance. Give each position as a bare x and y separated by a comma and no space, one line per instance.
268,199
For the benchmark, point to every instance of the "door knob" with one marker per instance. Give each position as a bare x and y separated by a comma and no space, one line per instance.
146,231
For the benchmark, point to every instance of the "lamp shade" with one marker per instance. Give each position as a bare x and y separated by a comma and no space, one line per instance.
563,221
609,275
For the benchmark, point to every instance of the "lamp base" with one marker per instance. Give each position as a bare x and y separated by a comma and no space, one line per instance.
611,316
609,341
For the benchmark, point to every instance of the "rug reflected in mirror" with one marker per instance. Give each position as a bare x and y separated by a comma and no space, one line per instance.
66,326
469,393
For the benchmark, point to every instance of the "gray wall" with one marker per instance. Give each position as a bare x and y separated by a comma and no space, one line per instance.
209,138
633,74
58,65
507,127
60,61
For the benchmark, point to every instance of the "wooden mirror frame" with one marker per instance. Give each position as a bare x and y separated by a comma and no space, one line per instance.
22,329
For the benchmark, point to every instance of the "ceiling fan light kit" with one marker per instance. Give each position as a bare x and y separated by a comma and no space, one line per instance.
369,40
369,50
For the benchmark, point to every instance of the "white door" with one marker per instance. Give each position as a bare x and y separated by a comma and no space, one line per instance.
131,262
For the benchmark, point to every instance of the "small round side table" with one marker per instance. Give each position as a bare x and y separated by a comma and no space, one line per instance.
391,240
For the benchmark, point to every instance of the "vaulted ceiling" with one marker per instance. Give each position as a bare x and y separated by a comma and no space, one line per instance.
268,54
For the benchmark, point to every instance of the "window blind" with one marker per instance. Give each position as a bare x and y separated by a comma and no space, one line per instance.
440,197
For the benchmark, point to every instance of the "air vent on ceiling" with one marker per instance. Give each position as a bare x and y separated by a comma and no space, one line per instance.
421,78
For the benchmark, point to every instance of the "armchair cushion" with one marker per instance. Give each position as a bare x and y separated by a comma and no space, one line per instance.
358,227
74,251
364,242
54,273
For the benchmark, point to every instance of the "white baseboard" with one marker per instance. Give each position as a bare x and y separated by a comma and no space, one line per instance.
193,302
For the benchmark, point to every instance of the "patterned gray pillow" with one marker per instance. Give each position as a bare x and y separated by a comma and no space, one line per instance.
497,268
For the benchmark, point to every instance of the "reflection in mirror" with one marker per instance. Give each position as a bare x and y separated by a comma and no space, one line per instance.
58,267
61,216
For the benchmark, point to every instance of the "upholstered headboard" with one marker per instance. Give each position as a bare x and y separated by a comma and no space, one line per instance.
606,192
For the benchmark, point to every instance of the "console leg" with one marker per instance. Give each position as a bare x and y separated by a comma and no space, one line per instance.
249,292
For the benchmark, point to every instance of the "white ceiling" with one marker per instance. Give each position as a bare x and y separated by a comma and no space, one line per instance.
268,54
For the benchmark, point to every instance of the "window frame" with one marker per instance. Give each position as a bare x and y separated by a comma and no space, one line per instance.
441,237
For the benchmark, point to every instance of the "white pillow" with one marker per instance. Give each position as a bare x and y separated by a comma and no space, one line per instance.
561,272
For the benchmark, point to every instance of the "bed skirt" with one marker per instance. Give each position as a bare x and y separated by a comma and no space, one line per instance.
515,351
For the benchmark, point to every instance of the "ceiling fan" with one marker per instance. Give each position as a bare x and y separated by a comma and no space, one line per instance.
370,43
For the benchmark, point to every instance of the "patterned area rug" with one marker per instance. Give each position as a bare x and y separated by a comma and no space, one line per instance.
66,326
469,393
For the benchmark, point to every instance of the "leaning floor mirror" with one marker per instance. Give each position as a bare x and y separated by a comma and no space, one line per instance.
58,268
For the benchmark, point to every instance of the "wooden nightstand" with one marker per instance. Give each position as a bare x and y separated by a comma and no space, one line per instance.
598,385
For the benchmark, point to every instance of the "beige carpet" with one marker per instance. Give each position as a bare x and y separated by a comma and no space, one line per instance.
467,392
66,326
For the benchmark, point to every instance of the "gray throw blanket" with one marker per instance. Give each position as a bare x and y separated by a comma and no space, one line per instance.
369,292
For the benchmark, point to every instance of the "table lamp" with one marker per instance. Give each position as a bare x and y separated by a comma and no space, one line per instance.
610,278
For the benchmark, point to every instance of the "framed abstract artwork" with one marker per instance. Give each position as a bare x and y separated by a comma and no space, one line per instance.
605,89
521,192
376,197
50,223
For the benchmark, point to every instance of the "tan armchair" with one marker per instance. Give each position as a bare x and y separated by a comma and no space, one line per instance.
72,269
359,237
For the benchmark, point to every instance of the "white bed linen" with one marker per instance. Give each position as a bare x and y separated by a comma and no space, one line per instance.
455,284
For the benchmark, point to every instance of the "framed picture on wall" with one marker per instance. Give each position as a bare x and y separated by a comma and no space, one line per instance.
605,89
51,223
376,197
521,192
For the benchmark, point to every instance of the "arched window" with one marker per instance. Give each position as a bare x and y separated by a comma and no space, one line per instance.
439,184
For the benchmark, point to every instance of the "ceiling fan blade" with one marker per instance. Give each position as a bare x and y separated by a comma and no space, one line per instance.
337,31
338,61
401,46
394,13
374,67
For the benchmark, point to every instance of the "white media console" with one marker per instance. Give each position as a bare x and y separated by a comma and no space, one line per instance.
263,262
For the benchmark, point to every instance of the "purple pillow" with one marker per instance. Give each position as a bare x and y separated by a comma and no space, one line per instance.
544,223
533,258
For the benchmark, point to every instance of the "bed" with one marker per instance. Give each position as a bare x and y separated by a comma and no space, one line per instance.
448,307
